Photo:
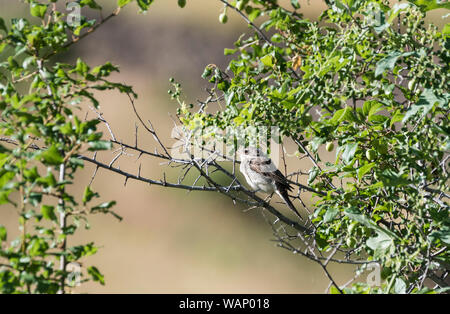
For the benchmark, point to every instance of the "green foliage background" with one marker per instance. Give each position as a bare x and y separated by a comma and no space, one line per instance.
371,77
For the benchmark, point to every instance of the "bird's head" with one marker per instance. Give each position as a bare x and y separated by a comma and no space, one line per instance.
250,152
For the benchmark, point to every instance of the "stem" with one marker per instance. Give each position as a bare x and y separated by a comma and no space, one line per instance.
62,226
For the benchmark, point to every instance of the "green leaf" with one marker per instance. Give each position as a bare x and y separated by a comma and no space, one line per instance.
228,51
144,4
426,102
295,4
104,206
51,156
390,177
398,116
88,195
81,68
345,114
6,177
105,69
399,286
334,290
96,275
48,212
313,172
376,107
122,3
90,3
80,251
268,60
100,145
38,9
388,62
349,152
3,233
381,244
443,235
330,214
364,169
445,30
355,214
254,14
3,25
428,5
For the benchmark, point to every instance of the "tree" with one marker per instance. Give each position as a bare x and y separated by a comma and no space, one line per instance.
370,78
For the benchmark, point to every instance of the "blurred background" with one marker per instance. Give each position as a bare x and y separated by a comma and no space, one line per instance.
171,241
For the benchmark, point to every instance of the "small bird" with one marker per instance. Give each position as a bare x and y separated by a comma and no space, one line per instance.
262,175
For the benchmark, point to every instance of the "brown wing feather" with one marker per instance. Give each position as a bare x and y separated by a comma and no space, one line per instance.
281,183
261,165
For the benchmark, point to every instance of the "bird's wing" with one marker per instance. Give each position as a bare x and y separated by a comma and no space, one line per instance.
265,167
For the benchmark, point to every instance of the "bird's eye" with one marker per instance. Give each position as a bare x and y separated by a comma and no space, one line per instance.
246,151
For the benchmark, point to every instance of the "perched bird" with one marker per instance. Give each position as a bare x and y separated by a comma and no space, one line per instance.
262,175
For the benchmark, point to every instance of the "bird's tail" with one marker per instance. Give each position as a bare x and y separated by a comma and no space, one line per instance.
285,197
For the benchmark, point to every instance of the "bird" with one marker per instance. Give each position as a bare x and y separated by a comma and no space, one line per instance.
262,175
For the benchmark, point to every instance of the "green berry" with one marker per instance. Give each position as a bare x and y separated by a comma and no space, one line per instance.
371,154
329,146
223,18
